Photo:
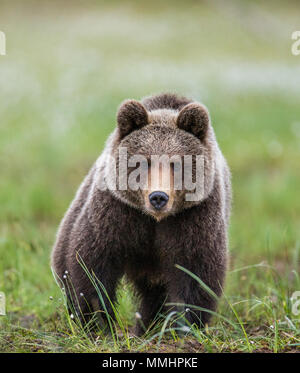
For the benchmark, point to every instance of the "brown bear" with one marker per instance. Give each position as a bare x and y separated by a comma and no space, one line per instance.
144,232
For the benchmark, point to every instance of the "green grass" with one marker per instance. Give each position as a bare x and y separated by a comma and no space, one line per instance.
64,75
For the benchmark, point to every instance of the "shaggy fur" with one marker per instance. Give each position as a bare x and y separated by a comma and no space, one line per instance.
115,234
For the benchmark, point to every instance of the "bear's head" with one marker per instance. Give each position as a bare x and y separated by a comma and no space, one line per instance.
162,157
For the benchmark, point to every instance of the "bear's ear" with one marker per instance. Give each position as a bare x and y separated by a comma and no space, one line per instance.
194,118
131,116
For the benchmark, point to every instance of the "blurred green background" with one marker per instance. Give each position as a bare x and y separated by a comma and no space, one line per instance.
68,67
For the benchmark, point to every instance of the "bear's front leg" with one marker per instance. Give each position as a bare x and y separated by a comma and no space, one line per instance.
92,290
88,260
153,297
186,292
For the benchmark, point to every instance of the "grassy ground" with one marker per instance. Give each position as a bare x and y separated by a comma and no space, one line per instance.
66,70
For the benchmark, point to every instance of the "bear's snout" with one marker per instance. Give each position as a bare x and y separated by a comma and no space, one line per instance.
158,199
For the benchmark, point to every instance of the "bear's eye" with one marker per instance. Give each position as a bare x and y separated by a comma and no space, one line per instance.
176,166
145,165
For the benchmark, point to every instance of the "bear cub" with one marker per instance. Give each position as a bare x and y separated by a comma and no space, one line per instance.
133,216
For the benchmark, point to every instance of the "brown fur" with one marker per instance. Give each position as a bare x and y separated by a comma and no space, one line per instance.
115,234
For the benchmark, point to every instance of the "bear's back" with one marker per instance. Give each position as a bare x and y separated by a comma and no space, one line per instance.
165,101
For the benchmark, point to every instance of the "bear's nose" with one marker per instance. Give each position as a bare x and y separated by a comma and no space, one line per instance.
158,199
